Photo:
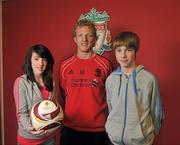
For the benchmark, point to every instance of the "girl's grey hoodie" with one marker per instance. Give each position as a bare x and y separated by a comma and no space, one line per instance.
26,94
135,109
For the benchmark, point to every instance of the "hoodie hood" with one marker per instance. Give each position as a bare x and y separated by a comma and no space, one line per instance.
139,68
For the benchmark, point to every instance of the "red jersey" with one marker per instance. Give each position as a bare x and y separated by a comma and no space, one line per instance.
83,85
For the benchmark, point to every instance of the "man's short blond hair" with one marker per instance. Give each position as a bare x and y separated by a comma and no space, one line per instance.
84,22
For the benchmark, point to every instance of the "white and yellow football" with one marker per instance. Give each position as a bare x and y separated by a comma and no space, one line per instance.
47,115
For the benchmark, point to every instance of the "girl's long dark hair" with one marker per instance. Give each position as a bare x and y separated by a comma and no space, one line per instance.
43,52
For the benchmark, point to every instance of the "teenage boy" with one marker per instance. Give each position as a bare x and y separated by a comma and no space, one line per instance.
135,111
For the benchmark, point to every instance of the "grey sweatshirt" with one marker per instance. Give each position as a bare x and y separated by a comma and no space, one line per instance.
26,94
135,110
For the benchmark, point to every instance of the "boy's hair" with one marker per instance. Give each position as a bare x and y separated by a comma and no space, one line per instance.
43,52
84,22
128,39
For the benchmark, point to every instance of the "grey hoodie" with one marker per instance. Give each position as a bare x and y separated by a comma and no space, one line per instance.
135,110
26,94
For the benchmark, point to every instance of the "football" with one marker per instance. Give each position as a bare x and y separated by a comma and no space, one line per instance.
46,115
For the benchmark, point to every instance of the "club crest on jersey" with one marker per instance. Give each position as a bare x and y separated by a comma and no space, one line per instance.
71,72
97,72
100,20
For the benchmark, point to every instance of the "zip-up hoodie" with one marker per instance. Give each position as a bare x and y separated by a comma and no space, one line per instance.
135,110
26,94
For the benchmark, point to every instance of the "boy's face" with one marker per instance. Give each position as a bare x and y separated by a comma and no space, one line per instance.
125,56
84,39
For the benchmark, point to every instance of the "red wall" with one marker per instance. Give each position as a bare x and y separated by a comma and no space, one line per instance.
27,22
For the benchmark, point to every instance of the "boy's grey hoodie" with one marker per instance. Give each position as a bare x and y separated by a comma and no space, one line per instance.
135,110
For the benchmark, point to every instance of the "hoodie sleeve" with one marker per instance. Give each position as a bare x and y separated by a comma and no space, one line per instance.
22,112
108,94
156,107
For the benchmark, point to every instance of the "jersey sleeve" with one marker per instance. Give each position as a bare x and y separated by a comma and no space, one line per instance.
110,68
63,91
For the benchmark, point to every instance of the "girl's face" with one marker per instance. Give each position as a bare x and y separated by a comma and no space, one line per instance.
38,64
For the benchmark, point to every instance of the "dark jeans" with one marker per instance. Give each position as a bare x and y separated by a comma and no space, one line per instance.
73,137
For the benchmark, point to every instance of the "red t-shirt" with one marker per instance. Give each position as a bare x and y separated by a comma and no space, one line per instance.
83,83
44,92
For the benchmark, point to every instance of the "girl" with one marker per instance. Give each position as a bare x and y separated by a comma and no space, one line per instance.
35,85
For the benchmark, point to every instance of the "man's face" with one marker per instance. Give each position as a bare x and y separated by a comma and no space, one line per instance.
125,56
84,39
